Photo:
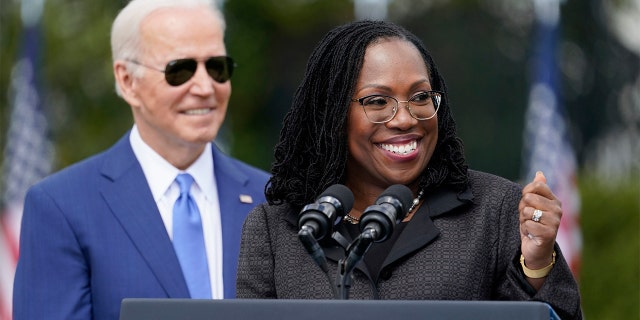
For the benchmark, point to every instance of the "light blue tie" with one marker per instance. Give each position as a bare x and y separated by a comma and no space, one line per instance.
188,241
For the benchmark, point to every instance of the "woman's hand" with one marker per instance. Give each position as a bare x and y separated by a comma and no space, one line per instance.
538,237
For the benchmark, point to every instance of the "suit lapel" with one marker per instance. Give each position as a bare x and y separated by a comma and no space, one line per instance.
421,230
231,183
418,232
128,195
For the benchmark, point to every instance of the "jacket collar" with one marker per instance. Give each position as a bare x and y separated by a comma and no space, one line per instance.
128,195
419,231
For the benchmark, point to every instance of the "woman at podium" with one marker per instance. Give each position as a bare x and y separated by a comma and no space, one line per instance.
373,112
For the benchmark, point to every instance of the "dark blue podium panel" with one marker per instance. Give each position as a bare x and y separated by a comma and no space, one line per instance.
245,309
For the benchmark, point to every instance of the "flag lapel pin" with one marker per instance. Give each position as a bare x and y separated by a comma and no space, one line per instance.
245,198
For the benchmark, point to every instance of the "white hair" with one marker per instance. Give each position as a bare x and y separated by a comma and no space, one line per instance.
125,31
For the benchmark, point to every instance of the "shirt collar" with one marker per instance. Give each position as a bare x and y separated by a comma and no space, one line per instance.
160,174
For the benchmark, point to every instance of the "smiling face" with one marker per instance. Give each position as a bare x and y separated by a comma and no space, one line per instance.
177,121
397,151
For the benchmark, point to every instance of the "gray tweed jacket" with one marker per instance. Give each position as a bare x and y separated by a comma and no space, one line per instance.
458,246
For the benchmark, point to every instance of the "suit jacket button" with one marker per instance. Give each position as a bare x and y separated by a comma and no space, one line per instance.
385,274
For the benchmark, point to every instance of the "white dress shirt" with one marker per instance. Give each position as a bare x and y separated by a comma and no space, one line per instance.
161,175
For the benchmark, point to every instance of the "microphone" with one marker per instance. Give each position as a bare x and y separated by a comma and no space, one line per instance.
389,209
317,219
376,225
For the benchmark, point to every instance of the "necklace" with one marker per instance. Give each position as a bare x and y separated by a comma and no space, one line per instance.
353,220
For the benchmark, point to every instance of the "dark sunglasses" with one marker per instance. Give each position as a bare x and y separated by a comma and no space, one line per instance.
177,72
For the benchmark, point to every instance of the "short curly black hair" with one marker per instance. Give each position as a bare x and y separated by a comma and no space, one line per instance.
311,154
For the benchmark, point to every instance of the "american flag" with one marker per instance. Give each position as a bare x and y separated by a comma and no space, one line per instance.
546,145
28,153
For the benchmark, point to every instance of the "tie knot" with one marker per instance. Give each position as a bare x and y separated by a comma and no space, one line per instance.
185,181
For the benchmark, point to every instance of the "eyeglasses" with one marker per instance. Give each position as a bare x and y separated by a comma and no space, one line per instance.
177,72
380,108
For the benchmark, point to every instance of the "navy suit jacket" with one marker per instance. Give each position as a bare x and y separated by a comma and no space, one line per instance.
92,235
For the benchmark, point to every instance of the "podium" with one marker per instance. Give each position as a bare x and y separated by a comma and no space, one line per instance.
245,309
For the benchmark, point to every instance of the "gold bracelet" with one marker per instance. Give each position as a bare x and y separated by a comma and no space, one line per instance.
539,273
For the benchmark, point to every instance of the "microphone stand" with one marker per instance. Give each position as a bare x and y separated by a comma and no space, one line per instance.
355,253
313,248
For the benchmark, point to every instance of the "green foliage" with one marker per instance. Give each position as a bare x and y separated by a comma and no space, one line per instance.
610,275
86,115
270,41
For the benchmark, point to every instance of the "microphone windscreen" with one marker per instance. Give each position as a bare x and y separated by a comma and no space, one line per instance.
342,193
400,192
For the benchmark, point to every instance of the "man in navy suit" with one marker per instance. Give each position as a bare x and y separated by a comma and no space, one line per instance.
100,230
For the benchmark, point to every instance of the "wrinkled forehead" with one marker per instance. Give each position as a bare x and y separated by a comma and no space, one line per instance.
193,32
